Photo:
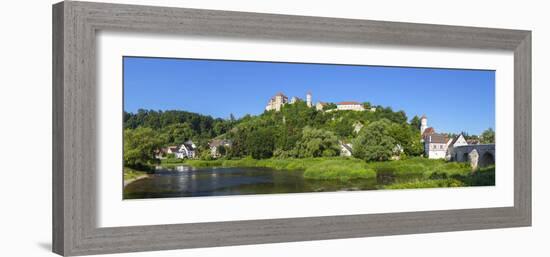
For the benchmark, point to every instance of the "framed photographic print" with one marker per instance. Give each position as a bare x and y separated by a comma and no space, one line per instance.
183,128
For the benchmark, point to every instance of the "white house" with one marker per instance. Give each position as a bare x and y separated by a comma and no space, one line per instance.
215,145
187,150
350,106
345,149
435,146
320,106
457,141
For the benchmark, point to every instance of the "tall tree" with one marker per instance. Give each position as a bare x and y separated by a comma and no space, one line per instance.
488,136
375,142
317,143
260,143
415,123
139,146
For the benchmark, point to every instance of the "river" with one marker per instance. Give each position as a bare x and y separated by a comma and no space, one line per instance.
185,181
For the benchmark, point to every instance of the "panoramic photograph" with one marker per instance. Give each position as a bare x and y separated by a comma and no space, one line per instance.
198,127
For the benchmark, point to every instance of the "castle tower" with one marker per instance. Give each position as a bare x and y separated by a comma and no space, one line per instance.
308,99
423,124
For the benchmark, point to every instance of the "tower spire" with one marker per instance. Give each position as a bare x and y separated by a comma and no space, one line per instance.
308,99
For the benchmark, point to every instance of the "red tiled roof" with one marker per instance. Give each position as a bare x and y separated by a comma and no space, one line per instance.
428,131
348,103
436,138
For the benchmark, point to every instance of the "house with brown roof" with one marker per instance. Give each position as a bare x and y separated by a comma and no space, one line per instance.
435,145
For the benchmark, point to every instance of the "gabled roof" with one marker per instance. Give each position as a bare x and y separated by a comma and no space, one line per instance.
436,138
188,146
456,139
346,146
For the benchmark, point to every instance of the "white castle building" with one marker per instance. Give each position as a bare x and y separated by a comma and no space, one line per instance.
280,99
277,101
350,106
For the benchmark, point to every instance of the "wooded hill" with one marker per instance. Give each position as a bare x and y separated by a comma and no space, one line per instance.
296,131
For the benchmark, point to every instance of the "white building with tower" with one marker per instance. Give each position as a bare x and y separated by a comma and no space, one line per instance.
280,99
277,101
437,145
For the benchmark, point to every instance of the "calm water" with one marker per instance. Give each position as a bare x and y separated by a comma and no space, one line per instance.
185,181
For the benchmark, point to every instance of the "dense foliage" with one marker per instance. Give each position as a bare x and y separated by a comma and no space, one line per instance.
296,131
139,146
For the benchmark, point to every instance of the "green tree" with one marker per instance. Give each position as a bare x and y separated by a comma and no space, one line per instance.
415,123
374,143
177,133
408,138
317,143
260,143
329,106
139,146
488,136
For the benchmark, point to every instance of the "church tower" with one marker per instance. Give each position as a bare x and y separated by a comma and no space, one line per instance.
308,99
423,124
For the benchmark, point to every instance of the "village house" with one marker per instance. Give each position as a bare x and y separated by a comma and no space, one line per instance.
438,146
320,106
345,149
457,141
186,150
435,145
215,145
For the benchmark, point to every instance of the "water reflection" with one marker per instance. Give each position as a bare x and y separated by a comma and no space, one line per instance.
185,181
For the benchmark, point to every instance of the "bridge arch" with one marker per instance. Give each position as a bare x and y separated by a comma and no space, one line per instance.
486,153
487,159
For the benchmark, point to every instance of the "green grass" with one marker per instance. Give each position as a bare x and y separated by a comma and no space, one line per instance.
338,169
428,183
483,177
421,166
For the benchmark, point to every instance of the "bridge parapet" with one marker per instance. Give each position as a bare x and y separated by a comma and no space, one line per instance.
486,153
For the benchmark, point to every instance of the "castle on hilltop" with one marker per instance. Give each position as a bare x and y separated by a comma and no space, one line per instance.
280,99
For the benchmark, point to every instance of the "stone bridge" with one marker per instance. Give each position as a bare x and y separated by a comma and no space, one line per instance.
477,155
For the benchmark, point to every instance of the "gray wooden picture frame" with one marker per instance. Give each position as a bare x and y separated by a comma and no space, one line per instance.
75,25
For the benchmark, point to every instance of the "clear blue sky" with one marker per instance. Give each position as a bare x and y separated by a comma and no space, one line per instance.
453,100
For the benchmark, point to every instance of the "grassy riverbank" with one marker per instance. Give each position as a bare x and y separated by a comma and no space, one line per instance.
131,175
429,173
428,168
482,177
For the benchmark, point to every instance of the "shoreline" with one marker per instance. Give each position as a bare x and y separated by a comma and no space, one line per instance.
127,182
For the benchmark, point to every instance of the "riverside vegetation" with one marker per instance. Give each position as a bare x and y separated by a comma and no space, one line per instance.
300,138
